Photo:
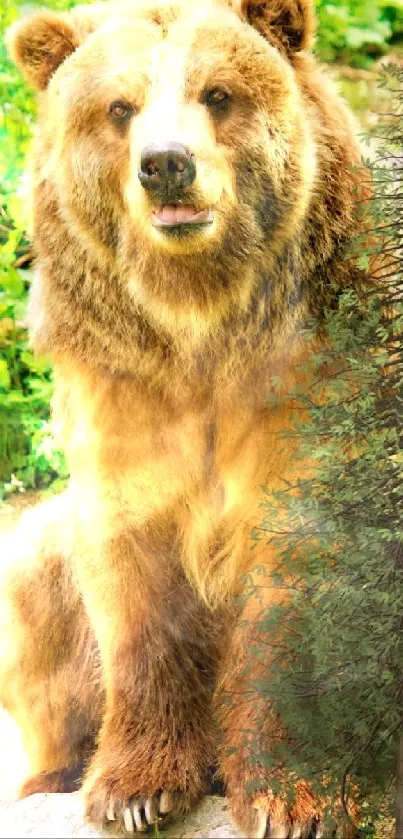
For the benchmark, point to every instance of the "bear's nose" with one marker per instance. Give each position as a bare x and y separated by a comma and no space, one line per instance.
167,167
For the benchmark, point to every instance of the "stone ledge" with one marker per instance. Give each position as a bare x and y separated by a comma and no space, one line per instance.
54,816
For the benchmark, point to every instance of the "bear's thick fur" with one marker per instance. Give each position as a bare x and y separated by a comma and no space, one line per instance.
192,196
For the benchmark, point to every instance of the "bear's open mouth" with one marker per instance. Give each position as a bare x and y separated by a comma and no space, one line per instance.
181,216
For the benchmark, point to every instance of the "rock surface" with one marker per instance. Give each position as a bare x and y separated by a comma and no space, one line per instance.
60,817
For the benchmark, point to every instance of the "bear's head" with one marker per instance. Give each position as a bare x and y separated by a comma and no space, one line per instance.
184,148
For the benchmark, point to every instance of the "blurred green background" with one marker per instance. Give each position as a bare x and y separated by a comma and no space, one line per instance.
353,38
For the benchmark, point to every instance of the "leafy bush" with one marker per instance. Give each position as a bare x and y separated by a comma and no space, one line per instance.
358,31
336,668
27,451
28,456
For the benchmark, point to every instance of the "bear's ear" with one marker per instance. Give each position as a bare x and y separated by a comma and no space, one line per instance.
289,24
39,43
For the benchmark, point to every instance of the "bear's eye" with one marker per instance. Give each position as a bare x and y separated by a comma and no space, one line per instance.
216,98
120,110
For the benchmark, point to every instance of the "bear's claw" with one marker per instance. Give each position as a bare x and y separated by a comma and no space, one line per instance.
138,813
285,830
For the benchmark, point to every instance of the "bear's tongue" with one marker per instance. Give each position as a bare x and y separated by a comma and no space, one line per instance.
181,214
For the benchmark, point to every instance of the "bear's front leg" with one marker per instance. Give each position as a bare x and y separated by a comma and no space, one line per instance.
249,729
156,646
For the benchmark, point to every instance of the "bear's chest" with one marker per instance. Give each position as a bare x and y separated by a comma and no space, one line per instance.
202,458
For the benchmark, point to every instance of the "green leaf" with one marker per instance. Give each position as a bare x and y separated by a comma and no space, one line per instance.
12,282
4,375
35,363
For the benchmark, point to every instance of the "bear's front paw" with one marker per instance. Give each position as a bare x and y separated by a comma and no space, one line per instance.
106,803
267,816
279,825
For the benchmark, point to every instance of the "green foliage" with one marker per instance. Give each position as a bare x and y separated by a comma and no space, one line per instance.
357,31
28,456
337,642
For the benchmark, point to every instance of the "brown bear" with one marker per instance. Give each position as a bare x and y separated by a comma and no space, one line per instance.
192,199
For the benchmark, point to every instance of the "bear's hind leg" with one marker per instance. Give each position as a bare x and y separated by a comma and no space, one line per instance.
48,674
